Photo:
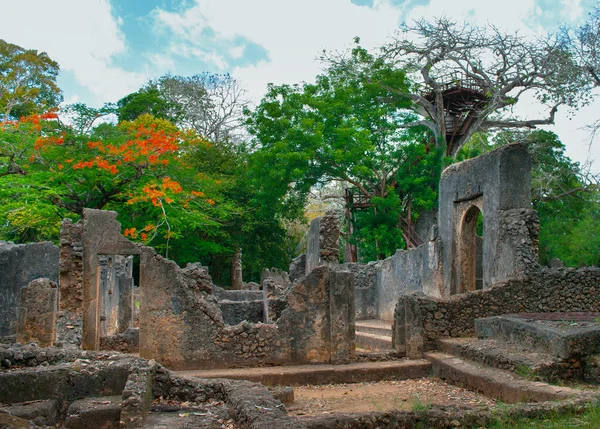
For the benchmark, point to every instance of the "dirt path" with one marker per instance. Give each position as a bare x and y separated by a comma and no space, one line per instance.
381,396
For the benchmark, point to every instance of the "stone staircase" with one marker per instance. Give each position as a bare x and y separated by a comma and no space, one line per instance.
374,334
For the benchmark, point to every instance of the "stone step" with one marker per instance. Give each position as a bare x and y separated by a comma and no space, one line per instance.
562,338
373,342
493,382
183,420
494,352
103,412
321,374
505,355
377,327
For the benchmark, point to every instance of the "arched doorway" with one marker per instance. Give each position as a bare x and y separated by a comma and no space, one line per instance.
471,250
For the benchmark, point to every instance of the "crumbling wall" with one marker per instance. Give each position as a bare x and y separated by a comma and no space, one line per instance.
19,265
275,285
101,236
182,326
498,183
418,269
365,289
323,240
318,325
37,311
70,266
545,290
297,267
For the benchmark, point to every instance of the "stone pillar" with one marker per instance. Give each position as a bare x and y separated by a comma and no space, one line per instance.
329,238
323,241
237,282
342,315
38,305
125,287
407,330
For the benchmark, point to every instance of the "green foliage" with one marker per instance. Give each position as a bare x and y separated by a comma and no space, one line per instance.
348,126
377,232
340,128
48,172
148,100
27,81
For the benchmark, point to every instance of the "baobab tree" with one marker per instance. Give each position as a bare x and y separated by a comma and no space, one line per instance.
469,78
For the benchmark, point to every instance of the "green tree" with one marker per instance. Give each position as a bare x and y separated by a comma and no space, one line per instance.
147,100
345,127
27,81
138,168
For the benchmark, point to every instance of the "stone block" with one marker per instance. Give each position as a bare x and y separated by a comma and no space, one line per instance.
102,412
38,308
19,265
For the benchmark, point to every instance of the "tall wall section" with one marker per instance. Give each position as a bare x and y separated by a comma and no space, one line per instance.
21,264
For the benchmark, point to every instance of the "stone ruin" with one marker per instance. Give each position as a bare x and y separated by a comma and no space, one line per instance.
458,293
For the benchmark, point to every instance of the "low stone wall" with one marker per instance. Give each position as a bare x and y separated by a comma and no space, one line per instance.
422,319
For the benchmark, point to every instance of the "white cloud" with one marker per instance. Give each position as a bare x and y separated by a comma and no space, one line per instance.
82,36
293,33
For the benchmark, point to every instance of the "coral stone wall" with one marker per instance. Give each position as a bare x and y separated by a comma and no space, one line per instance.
19,265
543,290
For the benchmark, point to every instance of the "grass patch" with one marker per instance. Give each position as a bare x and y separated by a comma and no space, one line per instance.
418,405
588,419
525,371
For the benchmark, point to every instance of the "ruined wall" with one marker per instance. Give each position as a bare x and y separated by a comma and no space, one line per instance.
297,267
19,265
545,290
101,237
71,266
496,183
365,289
38,307
312,245
418,269
182,326
323,240
318,325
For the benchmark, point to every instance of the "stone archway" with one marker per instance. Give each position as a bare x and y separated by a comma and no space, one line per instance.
471,250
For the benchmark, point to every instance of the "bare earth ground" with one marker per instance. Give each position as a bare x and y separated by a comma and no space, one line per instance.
381,396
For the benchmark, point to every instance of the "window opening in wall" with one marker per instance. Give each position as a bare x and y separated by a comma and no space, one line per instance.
116,290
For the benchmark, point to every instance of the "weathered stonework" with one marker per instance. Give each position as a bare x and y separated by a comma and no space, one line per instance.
19,265
70,266
38,306
184,328
497,184
545,290
101,236
323,241
297,267
329,235
413,270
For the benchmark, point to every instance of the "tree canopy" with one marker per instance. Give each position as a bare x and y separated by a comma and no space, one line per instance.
27,81
493,69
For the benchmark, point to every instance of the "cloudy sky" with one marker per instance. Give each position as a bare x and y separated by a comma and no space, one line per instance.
109,48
